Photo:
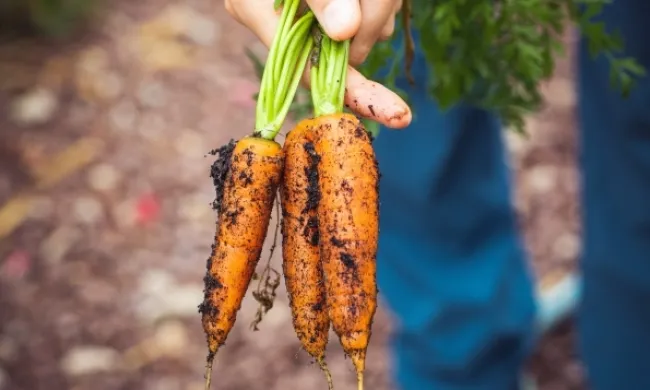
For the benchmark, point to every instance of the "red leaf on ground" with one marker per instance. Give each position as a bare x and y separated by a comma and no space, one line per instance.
16,265
147,208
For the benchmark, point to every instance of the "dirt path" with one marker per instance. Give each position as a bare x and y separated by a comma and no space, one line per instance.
105,218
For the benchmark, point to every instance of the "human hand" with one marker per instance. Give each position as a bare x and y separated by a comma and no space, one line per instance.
367,21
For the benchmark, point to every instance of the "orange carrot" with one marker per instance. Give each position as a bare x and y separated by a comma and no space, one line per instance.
302,267
247,176
348,215
348,210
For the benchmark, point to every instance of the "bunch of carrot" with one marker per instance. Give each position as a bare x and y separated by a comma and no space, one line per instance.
327,176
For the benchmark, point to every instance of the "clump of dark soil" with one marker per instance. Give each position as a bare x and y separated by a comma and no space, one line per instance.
219,170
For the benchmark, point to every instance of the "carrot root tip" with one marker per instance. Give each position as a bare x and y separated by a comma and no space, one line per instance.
326,371
360,381
208,372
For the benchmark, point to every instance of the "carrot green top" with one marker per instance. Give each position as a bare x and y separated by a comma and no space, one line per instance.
328,74
285,65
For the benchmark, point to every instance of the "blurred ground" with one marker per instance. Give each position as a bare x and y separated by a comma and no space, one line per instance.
105,218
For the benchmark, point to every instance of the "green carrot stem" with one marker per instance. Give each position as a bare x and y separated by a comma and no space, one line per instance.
343,74
287,61
267,79
297,75
284,32
294,45
328,76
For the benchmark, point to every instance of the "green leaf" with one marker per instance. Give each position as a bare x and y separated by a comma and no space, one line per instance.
495,54
631,65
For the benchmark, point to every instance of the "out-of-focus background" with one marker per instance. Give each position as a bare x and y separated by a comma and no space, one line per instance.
105,217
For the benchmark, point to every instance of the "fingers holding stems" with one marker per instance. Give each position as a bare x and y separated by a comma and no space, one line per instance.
341,20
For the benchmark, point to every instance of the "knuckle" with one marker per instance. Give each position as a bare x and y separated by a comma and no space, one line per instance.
230,7
358,57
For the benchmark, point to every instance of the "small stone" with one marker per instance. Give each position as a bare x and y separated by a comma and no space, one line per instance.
152,94
567,246
184,300
541,179
54,248
161,297
123,116
104,177
190,144
201,30
89,359
155,281
35,107
88,210
171,338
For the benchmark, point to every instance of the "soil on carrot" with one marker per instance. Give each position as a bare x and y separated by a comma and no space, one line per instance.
219,173
313,192
220,169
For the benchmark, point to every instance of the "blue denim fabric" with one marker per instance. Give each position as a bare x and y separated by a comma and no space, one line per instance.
614,317
451,265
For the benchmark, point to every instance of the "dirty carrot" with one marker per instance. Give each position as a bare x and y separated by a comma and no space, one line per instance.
348,210
253,168
246,177
303,272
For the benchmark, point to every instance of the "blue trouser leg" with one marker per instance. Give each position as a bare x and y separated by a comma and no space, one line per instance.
614,316
450,263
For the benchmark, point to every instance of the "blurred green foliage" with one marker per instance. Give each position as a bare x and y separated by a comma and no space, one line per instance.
51,18
495,53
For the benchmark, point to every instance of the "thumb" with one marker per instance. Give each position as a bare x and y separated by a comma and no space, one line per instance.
340,18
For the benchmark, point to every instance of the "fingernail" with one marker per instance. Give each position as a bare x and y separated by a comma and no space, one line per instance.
401,117
340,19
